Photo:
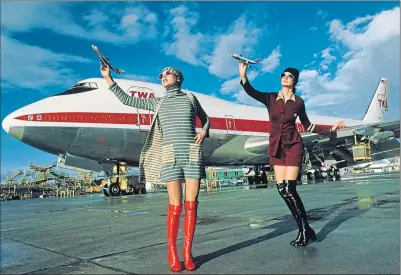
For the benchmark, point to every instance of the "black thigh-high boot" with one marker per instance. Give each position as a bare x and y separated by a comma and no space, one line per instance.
282,188
306,232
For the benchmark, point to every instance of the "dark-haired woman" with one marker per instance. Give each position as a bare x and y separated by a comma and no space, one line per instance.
286,148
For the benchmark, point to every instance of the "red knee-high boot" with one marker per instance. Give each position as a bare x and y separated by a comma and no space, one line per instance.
173,223
189,230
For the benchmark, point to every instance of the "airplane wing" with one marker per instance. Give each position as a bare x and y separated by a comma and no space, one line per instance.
372,129
259,144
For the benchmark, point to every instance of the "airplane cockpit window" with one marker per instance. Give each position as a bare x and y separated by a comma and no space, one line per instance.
80,88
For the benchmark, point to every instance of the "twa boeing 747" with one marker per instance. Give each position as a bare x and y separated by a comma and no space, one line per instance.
89,128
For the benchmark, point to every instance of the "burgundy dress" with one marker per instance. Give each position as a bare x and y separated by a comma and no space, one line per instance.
285,143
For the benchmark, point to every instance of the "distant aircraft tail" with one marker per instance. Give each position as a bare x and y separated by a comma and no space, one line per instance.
378,105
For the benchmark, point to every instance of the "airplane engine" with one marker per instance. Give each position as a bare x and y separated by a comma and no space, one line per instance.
83,163
381,136
257,145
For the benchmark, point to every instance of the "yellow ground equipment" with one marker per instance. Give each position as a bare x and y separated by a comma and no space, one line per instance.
212,178
121,184
361,151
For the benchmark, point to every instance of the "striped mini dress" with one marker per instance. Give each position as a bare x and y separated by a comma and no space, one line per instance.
181,157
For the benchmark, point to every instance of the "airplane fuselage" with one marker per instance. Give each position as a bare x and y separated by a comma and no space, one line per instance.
89,121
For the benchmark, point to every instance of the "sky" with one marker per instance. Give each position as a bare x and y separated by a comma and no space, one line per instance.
341,49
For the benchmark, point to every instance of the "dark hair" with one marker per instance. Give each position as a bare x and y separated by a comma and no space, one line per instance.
294,90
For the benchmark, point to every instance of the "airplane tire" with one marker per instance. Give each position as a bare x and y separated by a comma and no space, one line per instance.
257,180
318,174
337,173
136,191
114,189
310,176
143,190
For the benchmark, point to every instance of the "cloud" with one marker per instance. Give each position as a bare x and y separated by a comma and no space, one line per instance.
32,67
126,24
322,14
234,89
371,52
241,37
213,50
187,43
354,24
327,57
270,63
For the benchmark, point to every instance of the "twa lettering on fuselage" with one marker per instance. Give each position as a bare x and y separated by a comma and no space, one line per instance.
141,92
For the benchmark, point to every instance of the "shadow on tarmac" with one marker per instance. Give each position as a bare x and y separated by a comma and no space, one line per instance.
288,224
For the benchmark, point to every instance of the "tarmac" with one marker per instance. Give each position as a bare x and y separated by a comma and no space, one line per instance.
239,231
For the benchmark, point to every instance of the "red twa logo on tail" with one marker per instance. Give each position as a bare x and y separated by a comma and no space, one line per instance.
141,92
382,102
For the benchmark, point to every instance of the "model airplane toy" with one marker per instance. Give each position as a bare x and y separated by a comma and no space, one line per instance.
245,60
105,61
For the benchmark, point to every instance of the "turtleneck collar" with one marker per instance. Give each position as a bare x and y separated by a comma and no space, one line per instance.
173,90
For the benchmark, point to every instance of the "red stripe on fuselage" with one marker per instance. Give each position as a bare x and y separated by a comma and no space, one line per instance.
216,123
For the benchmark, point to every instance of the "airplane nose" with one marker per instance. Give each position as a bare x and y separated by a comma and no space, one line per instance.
10,126
6,124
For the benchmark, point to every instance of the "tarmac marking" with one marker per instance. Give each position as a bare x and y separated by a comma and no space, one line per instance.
162,243
79,260
129,212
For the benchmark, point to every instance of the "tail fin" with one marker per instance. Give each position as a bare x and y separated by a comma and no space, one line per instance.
378,105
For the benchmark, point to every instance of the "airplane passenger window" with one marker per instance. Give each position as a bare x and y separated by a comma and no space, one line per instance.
80,88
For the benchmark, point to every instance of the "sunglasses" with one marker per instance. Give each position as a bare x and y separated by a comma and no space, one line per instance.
288,75
166,74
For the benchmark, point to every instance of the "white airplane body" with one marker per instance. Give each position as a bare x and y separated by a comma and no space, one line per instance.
242,59
92,129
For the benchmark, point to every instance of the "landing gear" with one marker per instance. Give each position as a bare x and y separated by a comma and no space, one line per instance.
259,180
130,190
136,186
322,172
334,173
310,175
